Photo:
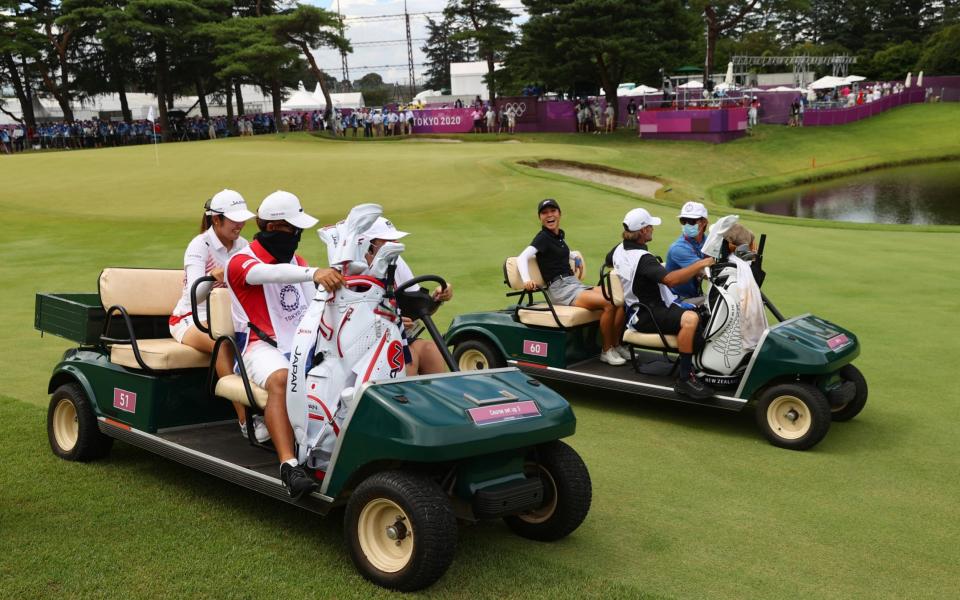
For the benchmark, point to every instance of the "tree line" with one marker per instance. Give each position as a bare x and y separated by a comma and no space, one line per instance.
72,49
577,45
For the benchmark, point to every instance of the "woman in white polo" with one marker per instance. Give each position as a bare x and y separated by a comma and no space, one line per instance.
224,216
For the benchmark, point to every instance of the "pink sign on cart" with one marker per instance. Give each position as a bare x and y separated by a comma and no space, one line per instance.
535,348
484,415
837,341
125,400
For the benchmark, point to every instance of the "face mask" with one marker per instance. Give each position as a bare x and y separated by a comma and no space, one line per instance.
280,244
690,231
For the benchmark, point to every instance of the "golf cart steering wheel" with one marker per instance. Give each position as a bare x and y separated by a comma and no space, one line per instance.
417,304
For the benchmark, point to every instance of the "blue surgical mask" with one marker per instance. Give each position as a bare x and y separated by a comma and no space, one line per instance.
690,231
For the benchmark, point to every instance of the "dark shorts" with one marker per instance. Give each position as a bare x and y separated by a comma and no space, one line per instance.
667,318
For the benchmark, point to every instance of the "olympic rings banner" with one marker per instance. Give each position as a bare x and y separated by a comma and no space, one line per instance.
525,107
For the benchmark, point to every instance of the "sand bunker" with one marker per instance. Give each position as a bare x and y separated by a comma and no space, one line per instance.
623,180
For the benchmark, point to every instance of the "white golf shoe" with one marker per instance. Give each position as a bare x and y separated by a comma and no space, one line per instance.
611,357
259,429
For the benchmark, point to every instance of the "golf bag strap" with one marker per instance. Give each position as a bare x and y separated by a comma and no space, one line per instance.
262,335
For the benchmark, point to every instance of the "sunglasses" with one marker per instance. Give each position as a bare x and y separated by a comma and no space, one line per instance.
688,221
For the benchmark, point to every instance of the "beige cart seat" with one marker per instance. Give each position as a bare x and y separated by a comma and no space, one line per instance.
230,387
647,340
570,316
152,293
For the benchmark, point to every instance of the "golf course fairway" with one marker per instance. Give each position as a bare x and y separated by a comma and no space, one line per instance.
687,502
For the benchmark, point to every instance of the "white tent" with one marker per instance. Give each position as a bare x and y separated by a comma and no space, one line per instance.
302,100
426,94
641,90
466,79
827,82
853,79
691,85
783,88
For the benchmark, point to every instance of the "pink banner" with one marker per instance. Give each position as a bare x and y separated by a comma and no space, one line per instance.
443,120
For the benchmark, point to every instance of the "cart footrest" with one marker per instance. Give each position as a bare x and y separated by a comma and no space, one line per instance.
508,498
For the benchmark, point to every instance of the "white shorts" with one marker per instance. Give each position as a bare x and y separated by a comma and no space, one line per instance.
261,360
180,329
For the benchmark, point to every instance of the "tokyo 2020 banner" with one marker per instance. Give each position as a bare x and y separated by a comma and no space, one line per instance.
443,120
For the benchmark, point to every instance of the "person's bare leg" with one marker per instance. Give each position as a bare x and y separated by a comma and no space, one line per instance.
688,327
593,300
428,357
276,415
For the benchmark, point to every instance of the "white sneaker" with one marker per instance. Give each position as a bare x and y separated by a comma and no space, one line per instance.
612,358
259,429
623,351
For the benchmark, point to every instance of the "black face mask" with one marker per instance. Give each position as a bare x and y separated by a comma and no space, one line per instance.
280,244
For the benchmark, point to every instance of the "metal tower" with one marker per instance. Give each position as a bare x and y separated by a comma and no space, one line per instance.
343,55
413,84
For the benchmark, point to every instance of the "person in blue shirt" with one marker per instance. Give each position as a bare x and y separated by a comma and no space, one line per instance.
687,249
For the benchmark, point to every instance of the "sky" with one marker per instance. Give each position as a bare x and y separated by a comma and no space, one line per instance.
370,58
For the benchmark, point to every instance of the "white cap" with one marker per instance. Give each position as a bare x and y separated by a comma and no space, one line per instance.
284,206
693,210
383,229
638,218
229,204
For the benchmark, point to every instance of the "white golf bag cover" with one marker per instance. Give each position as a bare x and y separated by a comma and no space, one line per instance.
345,339
724,349
737,319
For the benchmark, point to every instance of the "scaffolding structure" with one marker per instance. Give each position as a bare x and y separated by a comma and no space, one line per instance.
343,54
413,83
839,64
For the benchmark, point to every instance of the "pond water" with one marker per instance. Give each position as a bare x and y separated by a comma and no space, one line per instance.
914,195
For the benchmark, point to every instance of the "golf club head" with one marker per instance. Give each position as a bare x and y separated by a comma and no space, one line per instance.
743,252
386,256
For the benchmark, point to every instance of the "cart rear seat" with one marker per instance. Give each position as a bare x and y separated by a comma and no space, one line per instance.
148,293
570,316
230,387
646,340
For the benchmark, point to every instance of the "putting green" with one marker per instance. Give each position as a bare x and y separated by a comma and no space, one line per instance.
687,502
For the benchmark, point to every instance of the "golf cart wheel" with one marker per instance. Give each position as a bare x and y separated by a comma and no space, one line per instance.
476,355
795,416
72,426
852,408
401,530
567,494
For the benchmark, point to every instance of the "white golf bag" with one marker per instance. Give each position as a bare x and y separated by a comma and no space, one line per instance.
736,315
346,338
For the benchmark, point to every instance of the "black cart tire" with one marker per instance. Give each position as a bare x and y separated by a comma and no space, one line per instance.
795,416
853,407
475,355
567,494
72,426
401,530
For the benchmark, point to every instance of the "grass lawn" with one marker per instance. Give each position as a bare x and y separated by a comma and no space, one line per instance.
688,503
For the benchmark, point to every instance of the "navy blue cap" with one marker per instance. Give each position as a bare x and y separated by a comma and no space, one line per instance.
547,203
